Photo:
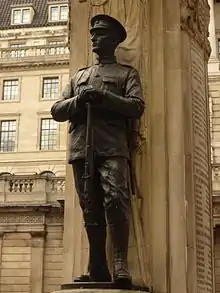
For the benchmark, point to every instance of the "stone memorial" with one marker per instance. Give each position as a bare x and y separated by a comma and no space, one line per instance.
170,248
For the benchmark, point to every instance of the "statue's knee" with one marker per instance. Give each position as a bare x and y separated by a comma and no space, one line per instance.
91,217
117,211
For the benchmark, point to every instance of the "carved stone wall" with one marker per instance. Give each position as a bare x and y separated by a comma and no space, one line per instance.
195,19
195,22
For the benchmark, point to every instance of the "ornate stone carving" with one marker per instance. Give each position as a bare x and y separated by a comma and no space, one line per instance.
21,219
195,20
57,185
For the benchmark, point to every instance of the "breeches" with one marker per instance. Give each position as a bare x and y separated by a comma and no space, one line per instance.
110,197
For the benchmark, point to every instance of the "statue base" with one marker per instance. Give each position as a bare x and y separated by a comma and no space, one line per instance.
108,287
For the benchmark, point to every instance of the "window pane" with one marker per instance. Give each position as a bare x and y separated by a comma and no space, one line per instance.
16,16
8,136
48,139
10,90
54,13
63,12
25,15
50,88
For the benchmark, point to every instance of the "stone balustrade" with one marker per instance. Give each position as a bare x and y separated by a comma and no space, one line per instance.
32,188
42,53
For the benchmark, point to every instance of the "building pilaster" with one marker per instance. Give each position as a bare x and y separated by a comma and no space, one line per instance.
37,261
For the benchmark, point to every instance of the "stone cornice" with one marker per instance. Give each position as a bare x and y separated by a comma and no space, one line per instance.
33,65
32,33
15,208
195,20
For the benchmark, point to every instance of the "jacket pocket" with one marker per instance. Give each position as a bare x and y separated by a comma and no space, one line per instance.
111,83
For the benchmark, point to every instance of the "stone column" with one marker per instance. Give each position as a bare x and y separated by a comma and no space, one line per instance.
37,261
212,34
171,237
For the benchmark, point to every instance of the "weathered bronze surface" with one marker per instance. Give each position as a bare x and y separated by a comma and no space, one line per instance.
101,102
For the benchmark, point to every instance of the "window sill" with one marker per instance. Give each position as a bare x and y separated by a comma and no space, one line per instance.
20,23
47,151
55,21
48,99
11,152
10,101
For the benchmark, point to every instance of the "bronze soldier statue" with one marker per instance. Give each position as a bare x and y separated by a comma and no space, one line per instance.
114,93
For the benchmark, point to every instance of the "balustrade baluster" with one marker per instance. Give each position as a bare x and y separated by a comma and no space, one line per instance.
12,54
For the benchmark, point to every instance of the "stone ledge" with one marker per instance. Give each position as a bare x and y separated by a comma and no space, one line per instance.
96,291
99,287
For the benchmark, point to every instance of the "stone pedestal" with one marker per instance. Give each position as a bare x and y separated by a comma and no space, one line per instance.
171,238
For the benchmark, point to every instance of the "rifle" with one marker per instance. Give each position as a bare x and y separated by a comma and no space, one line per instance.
89,156
131,141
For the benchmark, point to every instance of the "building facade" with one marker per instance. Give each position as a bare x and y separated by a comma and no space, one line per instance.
34,68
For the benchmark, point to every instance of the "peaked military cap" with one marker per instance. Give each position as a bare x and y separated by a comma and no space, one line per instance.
105,21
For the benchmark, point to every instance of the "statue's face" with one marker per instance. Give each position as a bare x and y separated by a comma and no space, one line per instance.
103,41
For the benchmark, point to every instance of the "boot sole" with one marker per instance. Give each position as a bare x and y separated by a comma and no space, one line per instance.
122,283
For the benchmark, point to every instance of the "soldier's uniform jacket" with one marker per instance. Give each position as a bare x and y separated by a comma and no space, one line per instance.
122,102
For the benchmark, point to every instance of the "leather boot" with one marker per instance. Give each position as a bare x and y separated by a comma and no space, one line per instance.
98,267
120,238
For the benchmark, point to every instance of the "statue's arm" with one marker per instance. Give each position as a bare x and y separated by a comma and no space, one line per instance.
65,108
132,104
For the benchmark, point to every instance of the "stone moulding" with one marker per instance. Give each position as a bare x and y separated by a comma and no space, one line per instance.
34,65
195,21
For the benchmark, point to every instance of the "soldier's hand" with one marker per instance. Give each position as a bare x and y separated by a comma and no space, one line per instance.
84,96
91,95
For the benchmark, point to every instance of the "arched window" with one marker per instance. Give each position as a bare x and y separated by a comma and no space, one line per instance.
47,174
5,173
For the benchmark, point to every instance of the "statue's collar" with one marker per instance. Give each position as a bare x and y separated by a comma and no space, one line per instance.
106,61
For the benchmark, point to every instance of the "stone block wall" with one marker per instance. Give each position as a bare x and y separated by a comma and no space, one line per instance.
15,262
31,260
31,234
53,258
